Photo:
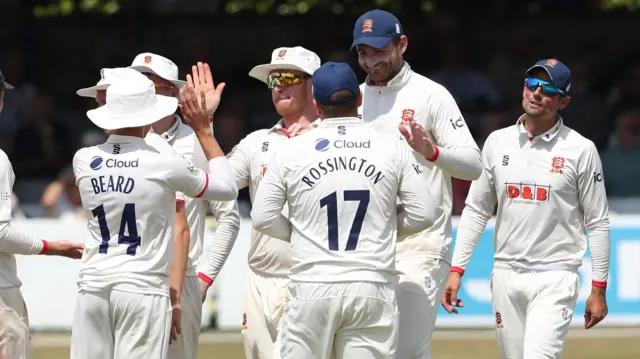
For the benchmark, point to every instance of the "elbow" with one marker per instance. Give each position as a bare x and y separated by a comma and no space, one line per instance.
474,169
260,224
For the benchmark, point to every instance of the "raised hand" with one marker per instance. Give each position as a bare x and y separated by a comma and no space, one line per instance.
194,111
202,81
417,138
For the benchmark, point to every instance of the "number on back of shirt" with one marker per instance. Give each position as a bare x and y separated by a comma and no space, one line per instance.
331,202
128,233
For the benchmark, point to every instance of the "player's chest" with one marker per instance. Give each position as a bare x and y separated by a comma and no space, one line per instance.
262,153
535,175
385,112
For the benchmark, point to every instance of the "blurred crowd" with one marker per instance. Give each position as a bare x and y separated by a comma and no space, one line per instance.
44,123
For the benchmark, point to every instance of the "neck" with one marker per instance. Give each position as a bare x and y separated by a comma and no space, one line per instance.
539,125
163,125
133,132
304,118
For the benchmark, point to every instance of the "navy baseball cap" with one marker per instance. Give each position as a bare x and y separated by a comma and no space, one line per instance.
558,72
331,78
4,85
376,28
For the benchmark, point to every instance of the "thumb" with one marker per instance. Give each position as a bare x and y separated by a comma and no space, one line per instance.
220,88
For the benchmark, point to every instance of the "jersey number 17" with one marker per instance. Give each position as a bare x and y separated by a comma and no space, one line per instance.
331,202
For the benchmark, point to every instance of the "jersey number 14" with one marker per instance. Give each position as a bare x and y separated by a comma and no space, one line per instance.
331,202
127,224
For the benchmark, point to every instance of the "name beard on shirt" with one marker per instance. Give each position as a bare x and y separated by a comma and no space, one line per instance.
342,163
121,184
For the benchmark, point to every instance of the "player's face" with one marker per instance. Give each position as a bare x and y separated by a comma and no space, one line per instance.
382,64
537,104
163,87
101,97
290,91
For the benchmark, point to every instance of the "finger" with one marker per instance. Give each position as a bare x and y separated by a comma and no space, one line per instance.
220,88
445,304
201,75
196,77
404,132
454,297
174,334
207,74
190,80
590,323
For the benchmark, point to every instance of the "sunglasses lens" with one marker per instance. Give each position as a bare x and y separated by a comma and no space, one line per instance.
547,87
283,79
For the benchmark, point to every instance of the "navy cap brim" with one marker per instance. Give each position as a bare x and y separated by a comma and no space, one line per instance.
375,42
540,67
8,86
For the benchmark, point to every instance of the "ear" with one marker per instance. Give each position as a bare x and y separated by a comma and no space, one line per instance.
564,102
318,109
360,99
404,43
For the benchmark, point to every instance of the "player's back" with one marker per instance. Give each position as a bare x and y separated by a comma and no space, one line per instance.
130,212
342,182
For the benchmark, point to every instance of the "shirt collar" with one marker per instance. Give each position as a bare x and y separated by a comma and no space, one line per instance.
340,121
547,136
170,134
124,139
279,127
399,80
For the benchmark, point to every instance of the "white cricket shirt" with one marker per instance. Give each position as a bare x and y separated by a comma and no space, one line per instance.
550,191
341,182
250,158
433,107
128,192
185,143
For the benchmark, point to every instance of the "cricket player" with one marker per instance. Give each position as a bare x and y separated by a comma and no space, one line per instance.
181,229
128,190
341,182
15,335
288,76
393,93
164,73
547,182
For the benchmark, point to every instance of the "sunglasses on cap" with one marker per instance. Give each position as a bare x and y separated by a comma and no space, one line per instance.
284,79
547,87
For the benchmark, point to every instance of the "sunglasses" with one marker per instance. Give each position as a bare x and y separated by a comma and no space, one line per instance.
284,79
160,87
547,87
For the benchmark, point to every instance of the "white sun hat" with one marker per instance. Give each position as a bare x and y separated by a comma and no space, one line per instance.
288,58
148,63
132,103
109,76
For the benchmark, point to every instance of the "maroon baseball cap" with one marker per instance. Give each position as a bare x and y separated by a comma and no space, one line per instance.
4,85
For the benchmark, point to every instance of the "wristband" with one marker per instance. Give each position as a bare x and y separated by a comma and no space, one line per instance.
436,153
45,247
457,269
205,278
595,283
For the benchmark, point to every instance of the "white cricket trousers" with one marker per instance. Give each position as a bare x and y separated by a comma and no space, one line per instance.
120,325
186,347
419,290
339,320
533,310
263,304
15,335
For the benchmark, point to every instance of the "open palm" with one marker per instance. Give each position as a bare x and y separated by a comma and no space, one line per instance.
202,81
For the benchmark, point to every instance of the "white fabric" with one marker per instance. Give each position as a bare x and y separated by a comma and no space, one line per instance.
263,305
339,320
341,182
132,103
433,107
158,65
419,290
128,193
154,140
186,347
549,191
288,58
120,325
15,336
270,257
107,77
533,311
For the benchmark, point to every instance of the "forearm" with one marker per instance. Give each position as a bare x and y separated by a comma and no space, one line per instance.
223,240
462,163
221,183
599,246
210,146
15,242
472,224
179,263
276,225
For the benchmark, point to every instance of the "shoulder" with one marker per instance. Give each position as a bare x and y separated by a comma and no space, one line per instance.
500,137
254,138
427,86
575,140
158,143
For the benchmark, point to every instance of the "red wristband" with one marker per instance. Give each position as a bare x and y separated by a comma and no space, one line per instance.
211,120
45,247
595,283
205,278
436,153
457,270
